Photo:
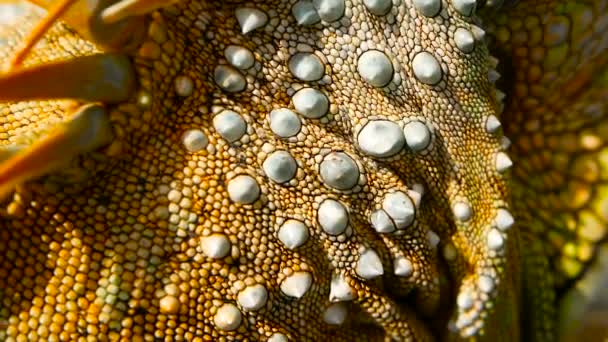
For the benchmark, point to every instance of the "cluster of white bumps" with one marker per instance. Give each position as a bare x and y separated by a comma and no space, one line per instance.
378,138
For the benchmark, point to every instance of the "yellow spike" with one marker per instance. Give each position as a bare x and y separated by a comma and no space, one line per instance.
56,11
84,17
130,8
105,78
88,130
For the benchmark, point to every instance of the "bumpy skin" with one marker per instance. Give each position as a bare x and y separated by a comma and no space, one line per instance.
115,243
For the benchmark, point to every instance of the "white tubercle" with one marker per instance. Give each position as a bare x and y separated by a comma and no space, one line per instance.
228,317
215,246
378,7
305,13
403,267
332,216
369,265
243,189
426,68
239,57
284,122
339,289
381,138
399,208
375,68
381,222
311,103
417,135
253,297
230,125
335,314
339,171
195,140
297,284
293,233
250,18
330,10
280,166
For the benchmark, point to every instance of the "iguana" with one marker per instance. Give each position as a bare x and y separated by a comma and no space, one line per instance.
301,170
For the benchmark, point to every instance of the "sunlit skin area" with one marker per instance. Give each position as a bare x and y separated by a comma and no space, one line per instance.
304,170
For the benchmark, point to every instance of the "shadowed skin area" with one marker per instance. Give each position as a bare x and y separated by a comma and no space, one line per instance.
304,171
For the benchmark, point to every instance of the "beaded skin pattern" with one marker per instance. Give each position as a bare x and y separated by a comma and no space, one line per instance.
301,170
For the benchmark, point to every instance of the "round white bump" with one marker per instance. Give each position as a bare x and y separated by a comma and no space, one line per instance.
495,240
215,246
243,189
485,283
503,162
504,219
369,265
230,125
428,8
253,297
464,7
381,222
375,68
329,10
311,103
400,208
432,238
464,40
492,124
280,166
284,123
332,217
306,66
305,13
464,300
462,211
293,234
184,86
227,317
378,7
297,284
250,18
277,337
339,171
239,57
426,68
417,135
194,140
381,138
403,267
229,79
339,289
335,314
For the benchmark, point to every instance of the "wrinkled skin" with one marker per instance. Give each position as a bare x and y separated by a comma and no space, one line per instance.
114,242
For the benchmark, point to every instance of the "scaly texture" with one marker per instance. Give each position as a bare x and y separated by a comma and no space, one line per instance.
306,170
